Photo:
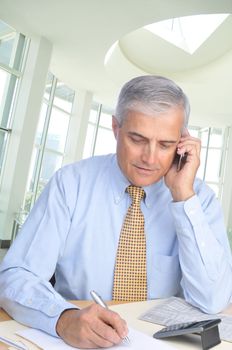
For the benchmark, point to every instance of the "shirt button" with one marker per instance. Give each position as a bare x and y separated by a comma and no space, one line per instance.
203,244
192,212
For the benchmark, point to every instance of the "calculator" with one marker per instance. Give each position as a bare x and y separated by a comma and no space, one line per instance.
186,328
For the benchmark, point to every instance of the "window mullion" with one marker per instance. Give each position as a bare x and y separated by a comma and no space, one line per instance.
224,159
206,153
10,70
8,101
97,127
19,49
43,142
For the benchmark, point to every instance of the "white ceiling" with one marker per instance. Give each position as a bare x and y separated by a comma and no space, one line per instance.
83,31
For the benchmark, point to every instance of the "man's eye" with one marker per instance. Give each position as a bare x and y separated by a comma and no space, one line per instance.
137,139
164,146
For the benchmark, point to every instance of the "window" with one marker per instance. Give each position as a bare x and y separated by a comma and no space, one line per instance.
213,154
12,48
50,138
99,138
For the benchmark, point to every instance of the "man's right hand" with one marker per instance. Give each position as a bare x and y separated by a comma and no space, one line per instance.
91,327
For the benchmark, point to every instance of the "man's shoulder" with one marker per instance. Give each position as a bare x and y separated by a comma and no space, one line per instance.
203,190
88,165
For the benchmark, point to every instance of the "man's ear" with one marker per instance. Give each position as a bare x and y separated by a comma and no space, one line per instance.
115,126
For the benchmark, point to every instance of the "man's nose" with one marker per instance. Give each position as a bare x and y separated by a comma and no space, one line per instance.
150,154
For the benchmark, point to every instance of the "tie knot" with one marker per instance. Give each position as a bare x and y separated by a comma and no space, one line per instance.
136,193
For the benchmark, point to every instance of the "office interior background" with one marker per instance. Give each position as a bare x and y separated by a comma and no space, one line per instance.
62,64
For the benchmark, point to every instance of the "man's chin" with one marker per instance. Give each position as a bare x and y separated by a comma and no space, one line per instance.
144,181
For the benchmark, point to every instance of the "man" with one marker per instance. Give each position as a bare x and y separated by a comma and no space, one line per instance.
74,228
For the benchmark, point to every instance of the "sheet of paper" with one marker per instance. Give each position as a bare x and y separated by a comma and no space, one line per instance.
176,310
138,341
8,329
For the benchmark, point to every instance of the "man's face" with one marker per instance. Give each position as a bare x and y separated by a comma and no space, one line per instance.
146,145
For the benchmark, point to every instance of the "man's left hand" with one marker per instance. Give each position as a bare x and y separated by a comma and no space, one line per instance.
181,182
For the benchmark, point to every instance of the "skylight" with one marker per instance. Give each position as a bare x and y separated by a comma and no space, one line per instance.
187,33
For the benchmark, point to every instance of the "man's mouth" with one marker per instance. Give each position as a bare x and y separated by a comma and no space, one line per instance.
145,169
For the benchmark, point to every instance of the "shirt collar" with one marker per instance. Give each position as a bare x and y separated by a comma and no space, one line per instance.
118,180
153,191
120,183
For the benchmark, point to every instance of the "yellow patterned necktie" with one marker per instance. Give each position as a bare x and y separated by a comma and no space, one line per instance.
130,274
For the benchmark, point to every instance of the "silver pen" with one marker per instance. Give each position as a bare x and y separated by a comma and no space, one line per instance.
98,300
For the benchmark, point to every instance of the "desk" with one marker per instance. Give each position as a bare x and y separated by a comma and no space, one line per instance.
131,311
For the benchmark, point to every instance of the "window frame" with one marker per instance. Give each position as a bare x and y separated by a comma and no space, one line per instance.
15,70
42,147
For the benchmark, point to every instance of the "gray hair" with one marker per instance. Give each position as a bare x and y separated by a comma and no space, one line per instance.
150,94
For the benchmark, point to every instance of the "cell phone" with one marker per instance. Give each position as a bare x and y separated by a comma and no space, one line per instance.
180,160
186,328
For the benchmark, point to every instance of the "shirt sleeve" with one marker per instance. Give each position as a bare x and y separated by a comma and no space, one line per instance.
25,291
204,251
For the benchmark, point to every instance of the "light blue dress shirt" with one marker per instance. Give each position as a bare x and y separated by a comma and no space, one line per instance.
74,229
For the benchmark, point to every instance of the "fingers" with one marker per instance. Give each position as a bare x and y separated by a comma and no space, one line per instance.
180,177
118,328
108,327
91,327
189,144
86,338
94,340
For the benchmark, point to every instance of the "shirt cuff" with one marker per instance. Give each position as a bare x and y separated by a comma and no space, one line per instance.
52,321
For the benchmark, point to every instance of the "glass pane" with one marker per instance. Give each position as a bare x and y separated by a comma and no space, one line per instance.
230,236
7,39
48,87
213,165
29,196
8,86
204,137
51,163
3,81
215,188
106,142
11,47
200,172
64,97
3,142
106,120
216,138
88,149
40,127
57,132
93,116
32,171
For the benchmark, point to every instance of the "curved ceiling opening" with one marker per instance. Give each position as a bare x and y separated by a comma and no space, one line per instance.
189,32
174,45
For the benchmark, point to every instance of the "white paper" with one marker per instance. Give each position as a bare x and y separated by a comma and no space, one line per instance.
176,310
138,341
